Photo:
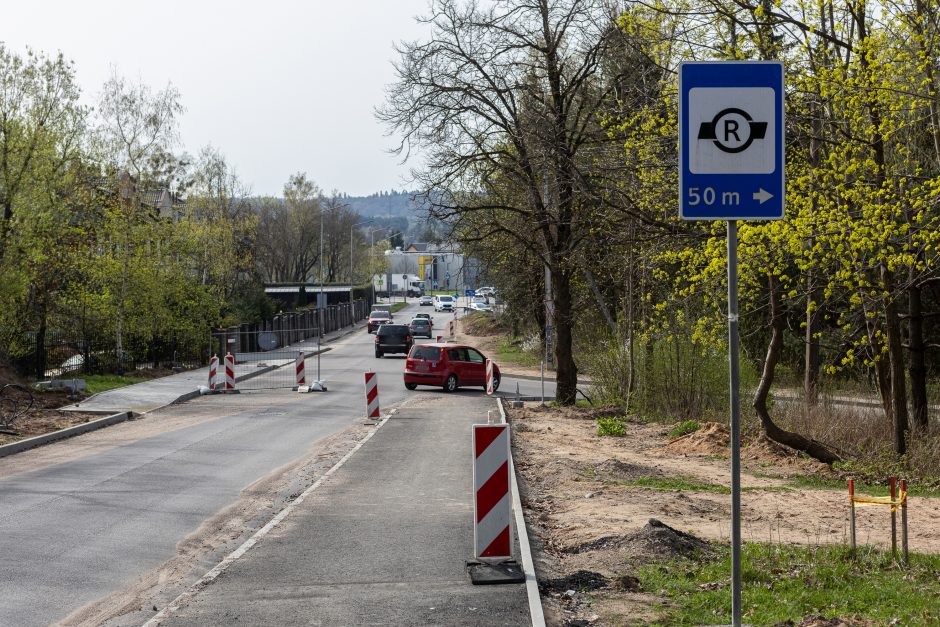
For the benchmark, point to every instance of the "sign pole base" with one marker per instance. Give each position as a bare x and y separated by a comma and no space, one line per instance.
487,574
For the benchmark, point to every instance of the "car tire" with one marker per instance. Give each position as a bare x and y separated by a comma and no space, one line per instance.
378,353
411,386
451,384
495,383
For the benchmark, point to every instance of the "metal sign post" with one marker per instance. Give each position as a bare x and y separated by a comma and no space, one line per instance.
734,394
731,168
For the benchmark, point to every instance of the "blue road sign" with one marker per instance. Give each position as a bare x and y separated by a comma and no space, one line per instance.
731,159
468,292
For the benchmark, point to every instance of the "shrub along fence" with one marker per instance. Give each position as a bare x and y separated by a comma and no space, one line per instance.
93,349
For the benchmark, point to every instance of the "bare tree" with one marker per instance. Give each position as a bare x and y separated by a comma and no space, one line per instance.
512,90
288,237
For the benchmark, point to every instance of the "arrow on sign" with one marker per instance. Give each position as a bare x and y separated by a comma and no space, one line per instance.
762,195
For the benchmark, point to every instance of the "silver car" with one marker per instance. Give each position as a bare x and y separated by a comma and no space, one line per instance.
422,327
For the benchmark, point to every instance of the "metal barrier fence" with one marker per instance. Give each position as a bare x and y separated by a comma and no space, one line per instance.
266,353
92,350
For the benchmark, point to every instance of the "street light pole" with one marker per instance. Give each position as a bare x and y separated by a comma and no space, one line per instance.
320,307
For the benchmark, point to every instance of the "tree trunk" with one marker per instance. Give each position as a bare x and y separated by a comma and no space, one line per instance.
896,364
566,371
811,357
917,368
771,430
882,372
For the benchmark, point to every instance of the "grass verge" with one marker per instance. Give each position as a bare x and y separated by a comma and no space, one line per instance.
103,382
395,307
787,583
510,352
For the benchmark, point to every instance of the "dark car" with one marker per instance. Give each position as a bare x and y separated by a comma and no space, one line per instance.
448,366
378,318
426,300
422,327
392,338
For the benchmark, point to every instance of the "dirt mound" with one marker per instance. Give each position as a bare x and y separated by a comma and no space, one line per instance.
711,439
763,450
616,470
660,541
579,581
655,541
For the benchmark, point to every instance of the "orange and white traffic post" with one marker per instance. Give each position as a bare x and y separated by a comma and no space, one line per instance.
299,369
213,371
489,377
229,372
372,395
492,503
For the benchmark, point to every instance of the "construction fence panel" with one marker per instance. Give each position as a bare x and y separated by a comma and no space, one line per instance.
266,353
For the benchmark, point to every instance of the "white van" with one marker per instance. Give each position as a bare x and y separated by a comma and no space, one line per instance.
443,303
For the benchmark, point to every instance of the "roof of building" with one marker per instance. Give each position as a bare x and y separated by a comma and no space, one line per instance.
310,288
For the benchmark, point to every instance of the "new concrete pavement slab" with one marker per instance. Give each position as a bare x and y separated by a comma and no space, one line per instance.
383,541
149,395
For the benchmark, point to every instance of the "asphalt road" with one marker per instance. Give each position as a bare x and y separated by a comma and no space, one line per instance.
74,531
383,542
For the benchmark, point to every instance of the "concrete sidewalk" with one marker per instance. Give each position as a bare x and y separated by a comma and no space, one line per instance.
383,540
149,395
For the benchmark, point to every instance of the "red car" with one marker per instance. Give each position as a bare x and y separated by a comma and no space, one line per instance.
448,366
377,319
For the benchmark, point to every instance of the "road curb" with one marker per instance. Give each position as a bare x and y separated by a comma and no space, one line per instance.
61,434
528,564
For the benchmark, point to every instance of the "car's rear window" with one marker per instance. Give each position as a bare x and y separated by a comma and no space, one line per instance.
427,353
394,329
380,314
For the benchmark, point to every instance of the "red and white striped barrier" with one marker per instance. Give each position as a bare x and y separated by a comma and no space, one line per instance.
299,368
213,371
450,328
489,377
229,371
492,504
372,395
440,338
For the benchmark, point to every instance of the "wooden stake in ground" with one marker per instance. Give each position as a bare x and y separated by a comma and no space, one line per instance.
894,518
904,519
852,514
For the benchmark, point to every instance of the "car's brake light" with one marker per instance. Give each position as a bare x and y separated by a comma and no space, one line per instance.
376,337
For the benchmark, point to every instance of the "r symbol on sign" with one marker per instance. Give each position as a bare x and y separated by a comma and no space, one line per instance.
728,126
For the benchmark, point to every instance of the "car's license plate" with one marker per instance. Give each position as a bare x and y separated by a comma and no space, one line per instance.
421,367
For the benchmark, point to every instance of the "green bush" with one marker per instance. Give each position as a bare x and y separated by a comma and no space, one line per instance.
684,428
611,426
667,378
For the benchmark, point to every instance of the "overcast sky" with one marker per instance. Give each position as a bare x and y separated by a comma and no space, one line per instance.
277,86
